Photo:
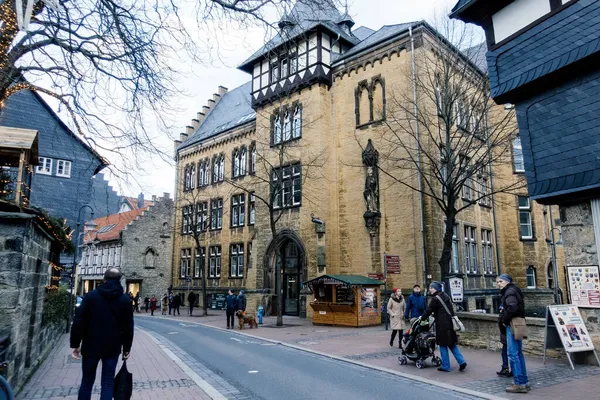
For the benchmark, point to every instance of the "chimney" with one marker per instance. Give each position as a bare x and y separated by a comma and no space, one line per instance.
222,90
140,200
189,130
216,97
176,144
182,137
166,195
195,123
200,116
210,103
205,109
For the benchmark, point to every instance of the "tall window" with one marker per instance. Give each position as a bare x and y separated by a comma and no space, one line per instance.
485,199
214,262
277,129
186,219
203,173
251,208
455,262
286,124
216,214
252,159
221,168
45,166
274,71
297,122
189,177
201,216
184,263
218,168
486,251
519,164
531,281
238,207
236,260
286,186
467,189
470,250
525,217
63,168
239,162
199,262
243,160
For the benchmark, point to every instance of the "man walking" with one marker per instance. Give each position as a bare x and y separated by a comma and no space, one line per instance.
103,326
146,303
513,305
415,305
176,304
231,301
192,301
153,301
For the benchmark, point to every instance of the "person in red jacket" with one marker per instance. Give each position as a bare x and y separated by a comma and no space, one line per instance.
153,301
103,327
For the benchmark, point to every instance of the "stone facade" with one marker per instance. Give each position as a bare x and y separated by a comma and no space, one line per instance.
25,252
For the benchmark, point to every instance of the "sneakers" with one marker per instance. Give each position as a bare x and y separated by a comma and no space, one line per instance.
504,371
517,389
462,367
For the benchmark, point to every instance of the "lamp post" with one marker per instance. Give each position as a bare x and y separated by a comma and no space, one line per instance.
72,275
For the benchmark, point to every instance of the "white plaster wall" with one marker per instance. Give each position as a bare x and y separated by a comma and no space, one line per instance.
517,15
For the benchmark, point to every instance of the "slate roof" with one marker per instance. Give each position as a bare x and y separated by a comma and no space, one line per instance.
477,56
305,16
461,5
119,222
352,280
362,32
232,110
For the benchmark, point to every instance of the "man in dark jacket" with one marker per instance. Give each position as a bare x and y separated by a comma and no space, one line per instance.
445,336
513,305
241,301
231,302
103,326
192,301
415,305
176,304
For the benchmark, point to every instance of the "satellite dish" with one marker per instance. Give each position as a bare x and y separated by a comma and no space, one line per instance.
24,11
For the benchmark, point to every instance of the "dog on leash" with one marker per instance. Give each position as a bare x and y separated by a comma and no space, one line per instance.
246,319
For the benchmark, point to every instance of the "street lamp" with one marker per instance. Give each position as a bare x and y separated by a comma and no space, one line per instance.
90,225
555,267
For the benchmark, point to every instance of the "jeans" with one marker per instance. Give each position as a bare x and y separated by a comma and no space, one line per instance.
191,309
504,356
516,358
89,366
230,313
446,357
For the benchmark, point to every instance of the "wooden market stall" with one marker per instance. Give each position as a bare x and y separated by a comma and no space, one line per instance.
346,300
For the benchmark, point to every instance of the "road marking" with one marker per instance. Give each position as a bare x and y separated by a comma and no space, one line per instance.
202,384
268,344
172,333
253,372
237,340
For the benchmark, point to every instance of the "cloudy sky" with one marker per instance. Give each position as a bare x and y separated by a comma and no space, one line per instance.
157,175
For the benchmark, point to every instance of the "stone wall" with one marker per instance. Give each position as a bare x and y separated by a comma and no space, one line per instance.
24,253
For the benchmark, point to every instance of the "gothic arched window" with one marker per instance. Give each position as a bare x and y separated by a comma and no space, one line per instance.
297,121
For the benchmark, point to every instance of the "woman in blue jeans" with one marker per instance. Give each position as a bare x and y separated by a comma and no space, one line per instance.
445,335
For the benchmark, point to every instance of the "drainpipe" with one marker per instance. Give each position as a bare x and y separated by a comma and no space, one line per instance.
493,199
416,111
174,220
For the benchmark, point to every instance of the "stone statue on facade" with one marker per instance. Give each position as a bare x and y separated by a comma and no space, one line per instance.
370,158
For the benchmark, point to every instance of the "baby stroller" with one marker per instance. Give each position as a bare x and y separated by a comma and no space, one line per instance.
418,345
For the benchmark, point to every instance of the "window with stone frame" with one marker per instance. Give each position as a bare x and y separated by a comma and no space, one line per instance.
149,258
238,160
251,208
203,173
218,168
286,186
187,217
525,223
370,101
236,260
216,214
483,185
470,250
184,263
202,216
252,166
518,161
487,259
199,260
467,188
189,177
531,277
214,262
238,210
286,124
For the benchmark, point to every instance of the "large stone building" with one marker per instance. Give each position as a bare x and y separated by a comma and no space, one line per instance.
282,174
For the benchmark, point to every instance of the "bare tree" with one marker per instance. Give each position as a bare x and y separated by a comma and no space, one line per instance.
443,134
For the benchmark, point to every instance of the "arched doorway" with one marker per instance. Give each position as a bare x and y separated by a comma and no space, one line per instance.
286,254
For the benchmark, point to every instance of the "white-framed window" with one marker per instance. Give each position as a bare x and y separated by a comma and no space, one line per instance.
216,214
63,168
525,217
531,281
184,263
203,173
487,251
187,218
518,162
251,208
45,166
286,124
470,250
239,162
238,208
218,168
201,216
286,186
199,261
236,260
214,262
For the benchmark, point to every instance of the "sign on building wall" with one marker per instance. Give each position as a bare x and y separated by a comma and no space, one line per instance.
584,285
392,264
456,289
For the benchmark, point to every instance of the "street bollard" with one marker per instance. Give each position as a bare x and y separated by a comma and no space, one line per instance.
261,311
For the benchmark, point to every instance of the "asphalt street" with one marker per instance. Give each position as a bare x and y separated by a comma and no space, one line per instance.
262,370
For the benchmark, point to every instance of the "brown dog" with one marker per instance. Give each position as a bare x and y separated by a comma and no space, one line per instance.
246,319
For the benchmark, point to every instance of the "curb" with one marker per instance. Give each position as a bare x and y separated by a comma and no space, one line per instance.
416,378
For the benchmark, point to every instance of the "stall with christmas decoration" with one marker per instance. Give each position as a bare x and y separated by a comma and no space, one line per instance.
18,155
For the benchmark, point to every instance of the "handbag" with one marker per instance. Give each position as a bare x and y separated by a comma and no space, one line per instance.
123,384
456,323
518,328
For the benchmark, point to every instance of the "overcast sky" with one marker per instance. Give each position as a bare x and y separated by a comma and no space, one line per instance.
157,176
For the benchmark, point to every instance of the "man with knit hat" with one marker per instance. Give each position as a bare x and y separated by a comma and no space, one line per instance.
513,305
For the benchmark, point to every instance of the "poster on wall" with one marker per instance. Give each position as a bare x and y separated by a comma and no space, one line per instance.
584,285
368,301
456,289
571,328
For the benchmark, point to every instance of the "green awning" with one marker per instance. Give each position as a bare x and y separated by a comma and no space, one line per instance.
350,280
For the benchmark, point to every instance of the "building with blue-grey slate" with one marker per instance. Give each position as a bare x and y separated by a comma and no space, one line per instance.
544,57
63,180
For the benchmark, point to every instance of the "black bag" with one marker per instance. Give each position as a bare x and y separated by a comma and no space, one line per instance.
123,384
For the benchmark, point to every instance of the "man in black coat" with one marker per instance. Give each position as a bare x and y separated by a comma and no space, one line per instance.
445,336
192,301
231,302
176,304
103,326
513,304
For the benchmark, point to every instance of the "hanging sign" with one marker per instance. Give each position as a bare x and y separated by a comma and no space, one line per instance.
584,285
375,275
392,264
456,289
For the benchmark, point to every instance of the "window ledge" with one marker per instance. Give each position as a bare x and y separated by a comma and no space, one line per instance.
370,123
214,277
485,206
235,277
533,239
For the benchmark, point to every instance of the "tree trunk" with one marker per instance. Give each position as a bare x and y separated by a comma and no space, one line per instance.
445,260
278,277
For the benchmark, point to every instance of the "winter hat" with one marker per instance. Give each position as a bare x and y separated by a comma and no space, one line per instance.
394,290
436,285
506,277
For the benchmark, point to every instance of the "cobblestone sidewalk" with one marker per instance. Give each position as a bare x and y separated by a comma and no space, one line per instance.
156,376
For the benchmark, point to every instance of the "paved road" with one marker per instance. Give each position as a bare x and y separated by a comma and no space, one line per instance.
260,370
